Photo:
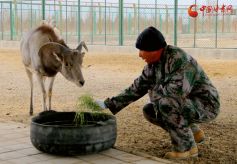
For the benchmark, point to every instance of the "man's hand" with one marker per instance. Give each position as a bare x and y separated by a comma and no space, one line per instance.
101,104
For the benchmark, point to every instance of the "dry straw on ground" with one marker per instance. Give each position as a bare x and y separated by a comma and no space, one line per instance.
107,75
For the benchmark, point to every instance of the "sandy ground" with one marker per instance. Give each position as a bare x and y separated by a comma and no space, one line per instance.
106,75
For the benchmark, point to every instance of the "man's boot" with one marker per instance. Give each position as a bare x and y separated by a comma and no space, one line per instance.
198,134
193,152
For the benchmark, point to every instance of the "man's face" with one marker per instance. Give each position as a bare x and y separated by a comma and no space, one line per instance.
150,56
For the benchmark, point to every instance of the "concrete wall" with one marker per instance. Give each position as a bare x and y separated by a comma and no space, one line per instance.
211,53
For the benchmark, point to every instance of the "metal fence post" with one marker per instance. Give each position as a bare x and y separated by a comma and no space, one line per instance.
120,22
92,21
66,20
16,19
160,20
60,15
99,21
138,17
105,22
2,28
21,20
216,26
43,9
94,25
175,21
129,23
155,13
11,21
79,21
195,27
166,19
31,14
113,22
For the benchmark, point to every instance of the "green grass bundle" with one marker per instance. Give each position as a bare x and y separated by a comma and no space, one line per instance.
86,103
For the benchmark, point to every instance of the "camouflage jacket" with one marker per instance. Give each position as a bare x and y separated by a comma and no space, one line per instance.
177,75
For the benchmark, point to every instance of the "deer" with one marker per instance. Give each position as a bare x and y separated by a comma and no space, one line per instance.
45,54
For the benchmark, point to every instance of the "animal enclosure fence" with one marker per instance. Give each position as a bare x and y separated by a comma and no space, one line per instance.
118,22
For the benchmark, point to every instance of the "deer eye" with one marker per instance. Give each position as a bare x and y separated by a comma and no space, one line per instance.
75,53
66,64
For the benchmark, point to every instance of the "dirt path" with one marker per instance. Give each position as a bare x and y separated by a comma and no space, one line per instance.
107,75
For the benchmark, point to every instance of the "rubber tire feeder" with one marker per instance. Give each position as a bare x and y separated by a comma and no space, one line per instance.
56,133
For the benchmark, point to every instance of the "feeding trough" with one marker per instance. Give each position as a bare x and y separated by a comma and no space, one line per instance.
57,133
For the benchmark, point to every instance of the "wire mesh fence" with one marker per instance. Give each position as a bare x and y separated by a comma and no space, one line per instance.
118,22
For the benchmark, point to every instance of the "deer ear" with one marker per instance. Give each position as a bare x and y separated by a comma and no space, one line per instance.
52,51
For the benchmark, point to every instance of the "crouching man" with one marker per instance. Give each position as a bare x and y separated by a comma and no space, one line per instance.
181,94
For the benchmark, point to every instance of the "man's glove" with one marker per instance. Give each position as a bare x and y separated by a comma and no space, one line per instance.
101,104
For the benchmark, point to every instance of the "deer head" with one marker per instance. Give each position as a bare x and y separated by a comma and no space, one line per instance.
56,57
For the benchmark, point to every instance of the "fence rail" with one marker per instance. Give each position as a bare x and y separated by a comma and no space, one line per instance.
118,22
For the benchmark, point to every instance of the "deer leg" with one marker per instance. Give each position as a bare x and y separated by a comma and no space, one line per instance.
50,90
29,74
41,80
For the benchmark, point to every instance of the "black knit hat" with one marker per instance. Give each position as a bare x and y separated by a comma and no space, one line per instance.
150,39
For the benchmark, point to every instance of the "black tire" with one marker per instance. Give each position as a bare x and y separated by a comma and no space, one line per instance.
56,133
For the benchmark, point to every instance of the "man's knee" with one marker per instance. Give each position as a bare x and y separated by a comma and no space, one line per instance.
148,110
150,114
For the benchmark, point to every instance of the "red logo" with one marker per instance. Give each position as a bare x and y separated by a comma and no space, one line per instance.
192,13
210,10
